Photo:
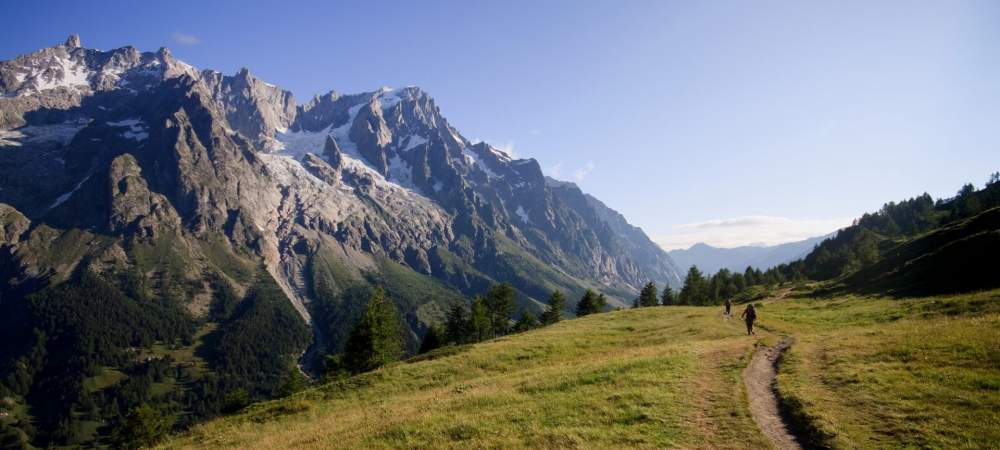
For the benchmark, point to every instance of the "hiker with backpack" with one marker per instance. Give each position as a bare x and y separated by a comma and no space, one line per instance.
750,315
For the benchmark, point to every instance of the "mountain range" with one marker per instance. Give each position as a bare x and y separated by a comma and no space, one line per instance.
233,208
711,259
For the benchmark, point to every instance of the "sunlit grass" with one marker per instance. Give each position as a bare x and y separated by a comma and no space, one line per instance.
897,373
866,372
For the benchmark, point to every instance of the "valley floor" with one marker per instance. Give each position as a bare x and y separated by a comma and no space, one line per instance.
862,373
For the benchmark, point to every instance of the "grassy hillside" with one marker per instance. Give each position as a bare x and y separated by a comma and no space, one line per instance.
911,373
863,372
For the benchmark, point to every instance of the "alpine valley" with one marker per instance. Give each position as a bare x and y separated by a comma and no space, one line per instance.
195,239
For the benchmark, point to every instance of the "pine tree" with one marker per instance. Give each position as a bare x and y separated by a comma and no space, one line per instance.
434,338
648,295
554,312
500,305
668,298
457,325
694,290
480,326
587,304
739,282
526,322
600,303
376,339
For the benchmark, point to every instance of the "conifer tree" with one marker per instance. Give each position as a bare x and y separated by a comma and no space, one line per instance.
526,322
648,295
376,339
587,304
480,326
694,290
668,297
750,277
500,305
457,325
600,303
434,338
554,312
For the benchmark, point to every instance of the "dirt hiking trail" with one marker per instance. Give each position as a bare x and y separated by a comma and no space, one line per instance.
759,379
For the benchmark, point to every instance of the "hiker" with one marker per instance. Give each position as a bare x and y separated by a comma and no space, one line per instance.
729,305
750,314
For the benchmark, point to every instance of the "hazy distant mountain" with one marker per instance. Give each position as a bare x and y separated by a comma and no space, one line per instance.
710,259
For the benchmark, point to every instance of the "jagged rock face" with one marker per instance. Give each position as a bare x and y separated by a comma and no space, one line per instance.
251,106
139,145
134,209
13,224
52,83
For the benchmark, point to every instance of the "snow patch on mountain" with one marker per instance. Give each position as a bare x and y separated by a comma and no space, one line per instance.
295,144
473,160
388,97
62,72
522,214
137,130
62,198
412,141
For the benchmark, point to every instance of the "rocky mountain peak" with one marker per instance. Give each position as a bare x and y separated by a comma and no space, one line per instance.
73,41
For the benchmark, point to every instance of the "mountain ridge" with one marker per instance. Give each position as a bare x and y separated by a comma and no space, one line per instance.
711,259
231,207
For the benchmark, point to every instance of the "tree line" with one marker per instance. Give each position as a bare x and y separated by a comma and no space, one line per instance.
866,240
700,289
376,339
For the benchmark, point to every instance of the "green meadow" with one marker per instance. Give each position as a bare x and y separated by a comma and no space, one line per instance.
863,372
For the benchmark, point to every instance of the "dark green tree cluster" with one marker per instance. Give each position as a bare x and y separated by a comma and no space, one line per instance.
590,303
668,297
376,339
554,310
143,427
488,317
864,242
256,346
647,297
700,289
69,332
491,316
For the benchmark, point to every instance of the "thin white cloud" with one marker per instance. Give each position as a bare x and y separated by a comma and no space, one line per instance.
556,170
508,148
581,173
185,39
748,230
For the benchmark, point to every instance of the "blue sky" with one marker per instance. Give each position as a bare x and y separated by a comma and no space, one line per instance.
731,122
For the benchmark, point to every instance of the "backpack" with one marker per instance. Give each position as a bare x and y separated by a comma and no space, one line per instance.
751,312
